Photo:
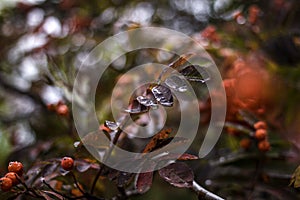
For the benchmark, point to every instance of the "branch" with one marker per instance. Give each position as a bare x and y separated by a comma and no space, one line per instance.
111,148
203,193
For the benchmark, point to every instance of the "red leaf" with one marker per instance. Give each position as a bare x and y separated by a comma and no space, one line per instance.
144,181
159,137
181,60
187,156
178,174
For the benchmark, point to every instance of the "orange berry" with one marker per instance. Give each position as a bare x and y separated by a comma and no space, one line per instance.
233,131
62,110
67,163
6,184
245,143
260,125
102,127
16,167
264,146
13,176
51,107
260,134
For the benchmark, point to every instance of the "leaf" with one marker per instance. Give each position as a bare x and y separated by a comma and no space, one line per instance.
144,181
136,108
177,142
146,101
181,60
187,156
124,178
43,193
96,139
295,180
163,95
177,83
195,73
82,165
178,174
48,169
157,139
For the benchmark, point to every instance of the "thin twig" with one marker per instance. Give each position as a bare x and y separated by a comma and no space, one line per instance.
29,190
111,148
53,190
77,184
204,194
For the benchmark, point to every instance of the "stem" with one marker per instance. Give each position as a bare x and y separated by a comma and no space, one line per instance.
53,190
204,194
76,183
29,190
111,148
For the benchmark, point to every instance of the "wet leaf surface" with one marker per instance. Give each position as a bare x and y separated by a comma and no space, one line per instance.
195,73
163,95
178,174
136,107
144,181
156,140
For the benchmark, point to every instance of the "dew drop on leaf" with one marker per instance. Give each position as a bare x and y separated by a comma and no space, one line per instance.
112,125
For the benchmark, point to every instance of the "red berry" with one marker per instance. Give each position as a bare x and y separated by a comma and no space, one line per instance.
13,176
16,167
62,110
6,184
260,125
245,143
51,107
264,146
67,163
260,134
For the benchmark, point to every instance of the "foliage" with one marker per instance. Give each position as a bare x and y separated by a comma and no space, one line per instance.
254,43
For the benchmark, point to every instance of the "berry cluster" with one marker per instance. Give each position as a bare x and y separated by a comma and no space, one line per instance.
260,136
12,178
60,108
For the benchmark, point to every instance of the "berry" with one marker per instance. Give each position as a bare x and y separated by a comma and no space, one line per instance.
102,127
67,163
264,146
245,143
16,167
260,125
6,184
62,110
260,134
13,176
51,107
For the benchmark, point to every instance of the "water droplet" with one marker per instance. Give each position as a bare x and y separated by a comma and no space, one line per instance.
76,144
208,182
221,159
112,125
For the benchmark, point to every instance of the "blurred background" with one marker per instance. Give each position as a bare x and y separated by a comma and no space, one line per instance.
253,42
